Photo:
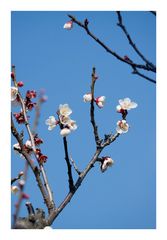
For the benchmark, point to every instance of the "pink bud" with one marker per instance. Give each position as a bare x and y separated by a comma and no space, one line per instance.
25,196
68,25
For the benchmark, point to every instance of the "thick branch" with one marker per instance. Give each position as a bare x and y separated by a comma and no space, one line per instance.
67,199
70,178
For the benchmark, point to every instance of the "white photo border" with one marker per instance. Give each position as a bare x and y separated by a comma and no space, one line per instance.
5,60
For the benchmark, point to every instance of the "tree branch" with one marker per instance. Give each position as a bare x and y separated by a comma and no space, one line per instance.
109,50
67,199
32,166
122,26
143,76
70,178
107,141
50,202
92,117
75,166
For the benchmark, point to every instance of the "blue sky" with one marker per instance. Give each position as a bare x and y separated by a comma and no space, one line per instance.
49,57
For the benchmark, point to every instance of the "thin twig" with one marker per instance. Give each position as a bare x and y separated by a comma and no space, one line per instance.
122,26
136,71
75,166
92,117
109,50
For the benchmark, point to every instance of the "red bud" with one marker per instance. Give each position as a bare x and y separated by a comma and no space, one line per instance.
20,84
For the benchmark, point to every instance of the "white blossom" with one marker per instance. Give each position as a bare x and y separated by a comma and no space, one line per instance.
68,25
126,104
28,144
14,92
87,97
51,122
64,110
108,162
15,189
122,126
64,119
64,132
72,125
16,147
100,101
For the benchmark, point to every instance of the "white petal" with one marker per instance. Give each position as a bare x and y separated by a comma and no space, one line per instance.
127,100
50,121
64,132
100,104
119,130
133,105
87,97
121,101
102,99
28,144
14,92
15,189
118,108
51,127
65,109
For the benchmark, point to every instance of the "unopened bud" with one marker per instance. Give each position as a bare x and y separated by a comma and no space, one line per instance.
20,84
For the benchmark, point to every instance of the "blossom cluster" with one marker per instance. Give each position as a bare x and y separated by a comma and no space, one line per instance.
124,106
67,125
15,101
100,101
29,150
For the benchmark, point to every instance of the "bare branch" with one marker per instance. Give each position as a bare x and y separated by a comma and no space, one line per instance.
67,199
75,166
143,76
92,117
70,178
109,50
122,26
